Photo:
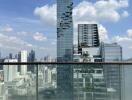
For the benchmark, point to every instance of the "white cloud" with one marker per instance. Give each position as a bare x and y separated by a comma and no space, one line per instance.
84,11
16,44
126,42
99,11
110,15
12,42
121,39
129,32
23,33
125,14
127,37
87,11
103,33
123,3
6,28
47,14
39,37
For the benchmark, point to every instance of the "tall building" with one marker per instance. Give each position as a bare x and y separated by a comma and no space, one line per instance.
64,30
89,83
22,57
88,80
87,36
31,58
10,71
10,55
64,49
88,41
111,52
113,73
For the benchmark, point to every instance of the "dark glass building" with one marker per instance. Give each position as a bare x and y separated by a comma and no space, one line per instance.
31,58
64,30
88,35
64,49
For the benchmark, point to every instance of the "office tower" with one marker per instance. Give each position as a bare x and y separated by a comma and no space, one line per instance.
31,58
22,57
64,30
113,73
88,41
10,56
111,52
89,83
87,36
64,49
10,71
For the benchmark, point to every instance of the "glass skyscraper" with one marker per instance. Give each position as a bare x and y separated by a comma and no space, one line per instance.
64,30
64,49
111,52
113,73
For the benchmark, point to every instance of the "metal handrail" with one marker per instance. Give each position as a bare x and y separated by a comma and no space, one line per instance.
58,63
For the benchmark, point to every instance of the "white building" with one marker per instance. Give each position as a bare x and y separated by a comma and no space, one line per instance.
10,71
94,53
22,56
2,91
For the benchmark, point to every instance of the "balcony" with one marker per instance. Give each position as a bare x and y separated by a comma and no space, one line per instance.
65,81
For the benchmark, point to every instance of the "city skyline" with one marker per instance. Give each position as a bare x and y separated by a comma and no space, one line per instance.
29,27
65,50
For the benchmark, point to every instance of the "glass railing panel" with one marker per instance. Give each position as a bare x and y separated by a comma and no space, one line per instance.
89,82
47,82
18,82
84,82
126,82
53,81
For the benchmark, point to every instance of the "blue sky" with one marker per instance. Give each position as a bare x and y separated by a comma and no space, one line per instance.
31,24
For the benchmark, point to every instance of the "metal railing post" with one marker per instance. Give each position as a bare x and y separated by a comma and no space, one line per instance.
37,81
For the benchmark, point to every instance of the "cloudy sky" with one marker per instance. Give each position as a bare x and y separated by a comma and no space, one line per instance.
31,24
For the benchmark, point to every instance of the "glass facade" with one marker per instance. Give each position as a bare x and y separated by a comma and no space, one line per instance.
88,81
112,73
64,49
64,30
111,52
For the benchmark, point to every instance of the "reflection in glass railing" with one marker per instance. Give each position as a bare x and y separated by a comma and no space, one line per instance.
16,85
54,81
